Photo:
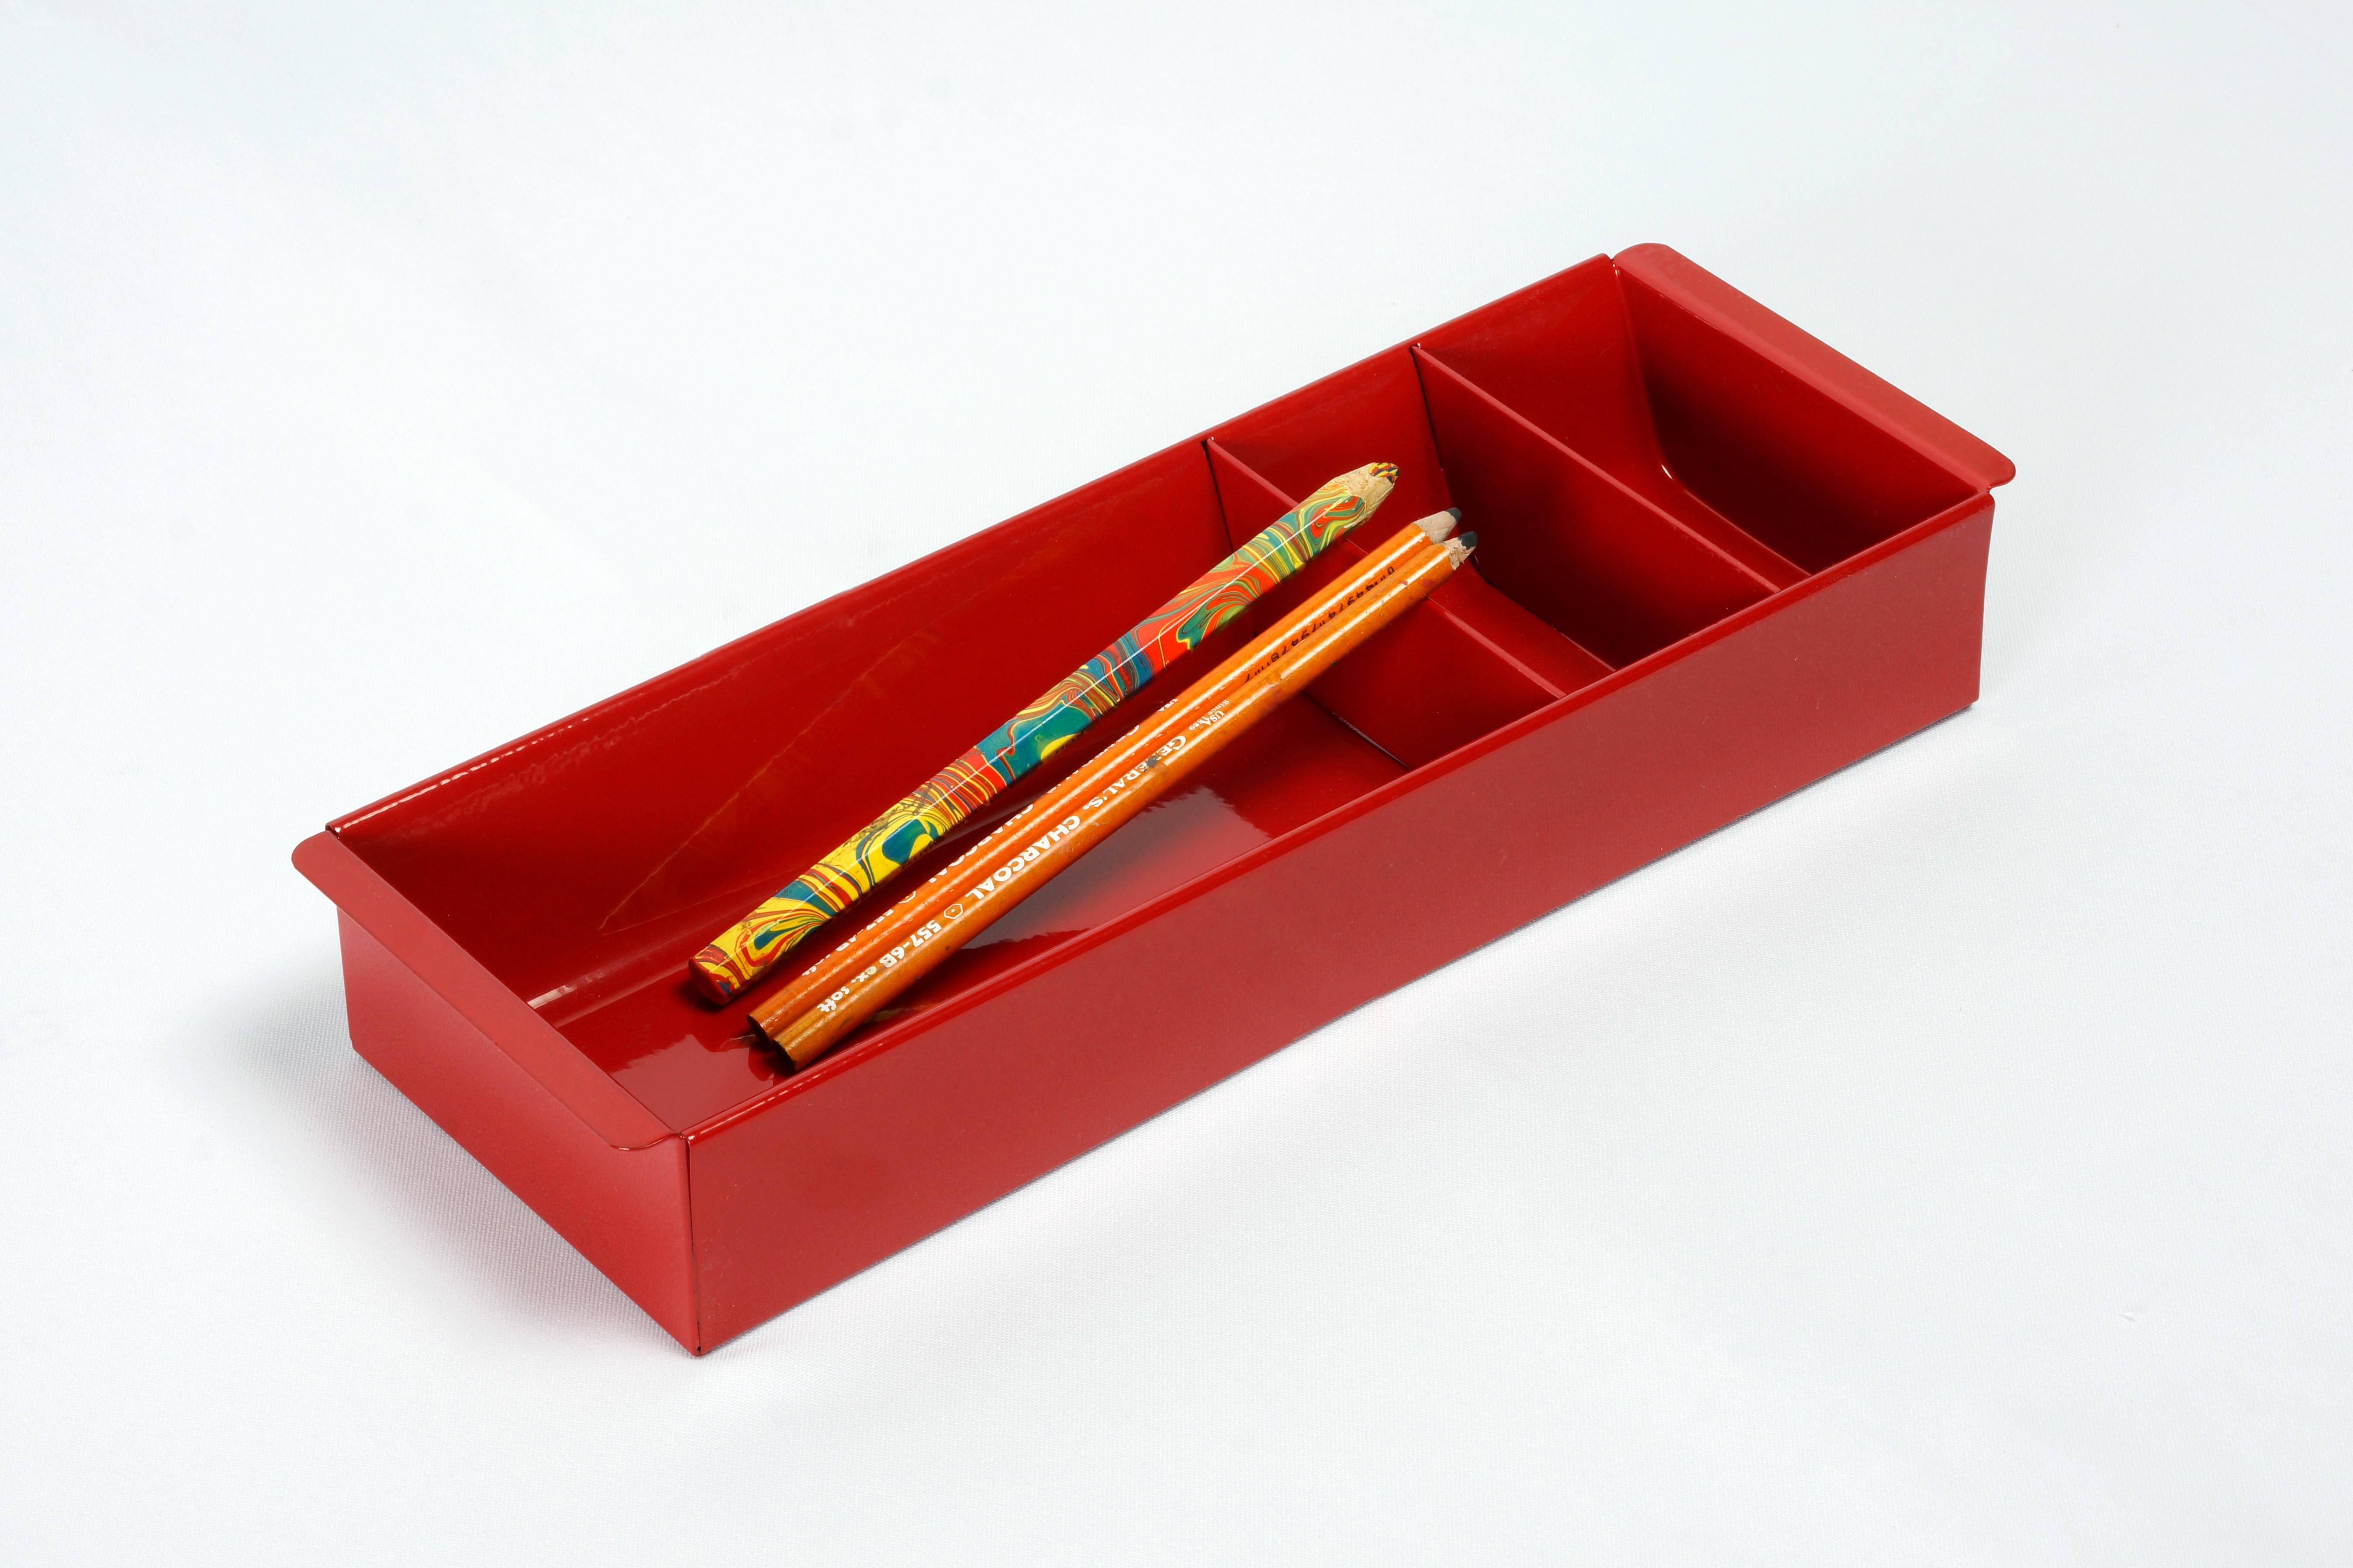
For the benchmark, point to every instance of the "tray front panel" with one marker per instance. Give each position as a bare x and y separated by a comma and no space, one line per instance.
904,1131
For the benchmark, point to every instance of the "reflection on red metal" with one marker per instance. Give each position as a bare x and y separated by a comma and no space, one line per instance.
1717,561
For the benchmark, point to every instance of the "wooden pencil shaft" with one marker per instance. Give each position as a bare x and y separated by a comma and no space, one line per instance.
883,932
1006,883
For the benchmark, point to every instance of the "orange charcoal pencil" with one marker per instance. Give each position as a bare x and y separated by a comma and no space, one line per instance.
886,930
994,883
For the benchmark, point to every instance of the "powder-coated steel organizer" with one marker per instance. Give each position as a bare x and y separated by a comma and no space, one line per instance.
1718,561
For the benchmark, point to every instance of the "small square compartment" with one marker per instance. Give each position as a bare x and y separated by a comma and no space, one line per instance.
1641,386
1718,561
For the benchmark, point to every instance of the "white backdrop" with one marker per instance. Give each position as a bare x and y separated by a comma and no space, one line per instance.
1947,1165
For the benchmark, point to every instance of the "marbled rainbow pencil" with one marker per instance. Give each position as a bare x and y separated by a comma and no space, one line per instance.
741,954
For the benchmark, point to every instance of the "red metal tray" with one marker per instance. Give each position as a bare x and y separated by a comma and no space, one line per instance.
1717,561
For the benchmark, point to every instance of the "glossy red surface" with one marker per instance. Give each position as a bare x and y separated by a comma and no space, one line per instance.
1718,560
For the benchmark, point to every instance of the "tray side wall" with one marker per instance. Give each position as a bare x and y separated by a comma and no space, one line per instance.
810,1189
624,1209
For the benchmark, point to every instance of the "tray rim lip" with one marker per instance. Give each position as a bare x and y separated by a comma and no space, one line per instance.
1815,363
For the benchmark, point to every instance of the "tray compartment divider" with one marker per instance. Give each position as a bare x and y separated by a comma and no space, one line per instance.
1603,564
1564,355
1426,685
1375,410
